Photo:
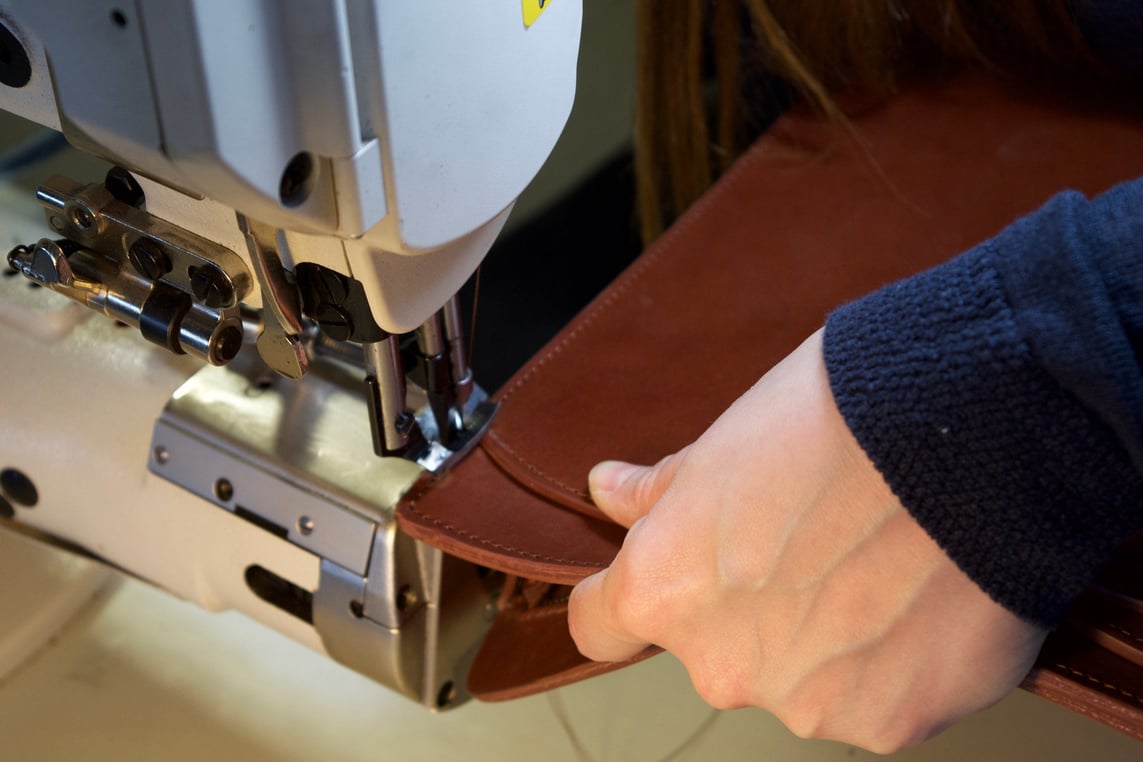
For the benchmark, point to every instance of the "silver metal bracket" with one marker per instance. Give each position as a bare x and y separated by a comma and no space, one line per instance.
96,220
295,458
180,290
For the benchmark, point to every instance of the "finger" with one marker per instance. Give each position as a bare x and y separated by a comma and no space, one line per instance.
626,492
595,632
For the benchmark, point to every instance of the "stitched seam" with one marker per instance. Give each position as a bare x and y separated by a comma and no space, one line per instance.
619,288
637,270
543,612
535,470
411,506
1134,698
1127,633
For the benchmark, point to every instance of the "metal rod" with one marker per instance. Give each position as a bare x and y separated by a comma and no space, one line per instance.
438,380
430,339
391,423
458,355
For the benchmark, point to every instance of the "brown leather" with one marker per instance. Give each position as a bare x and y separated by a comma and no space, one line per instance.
1093,663
476,513
810,217
529,645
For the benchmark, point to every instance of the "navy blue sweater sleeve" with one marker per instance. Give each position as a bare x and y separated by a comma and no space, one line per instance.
1001,397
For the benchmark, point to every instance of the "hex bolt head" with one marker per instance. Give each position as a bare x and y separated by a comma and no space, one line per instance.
211,288
149,259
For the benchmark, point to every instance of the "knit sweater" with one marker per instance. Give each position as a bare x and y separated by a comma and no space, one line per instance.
1001,395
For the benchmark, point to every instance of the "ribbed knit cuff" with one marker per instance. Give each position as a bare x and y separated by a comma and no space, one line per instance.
1024,489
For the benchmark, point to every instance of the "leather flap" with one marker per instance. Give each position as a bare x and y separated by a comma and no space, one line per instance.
480,514
808,218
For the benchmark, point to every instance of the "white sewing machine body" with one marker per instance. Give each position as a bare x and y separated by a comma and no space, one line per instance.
307,177
417,124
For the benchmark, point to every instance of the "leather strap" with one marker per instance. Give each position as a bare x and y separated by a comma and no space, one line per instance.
810,217
1093,663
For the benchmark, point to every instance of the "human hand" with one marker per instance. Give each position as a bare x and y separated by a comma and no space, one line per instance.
772,559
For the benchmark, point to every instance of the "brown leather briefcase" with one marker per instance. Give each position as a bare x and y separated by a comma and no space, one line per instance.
810,217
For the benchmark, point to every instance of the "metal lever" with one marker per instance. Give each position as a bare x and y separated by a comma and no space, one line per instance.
279,343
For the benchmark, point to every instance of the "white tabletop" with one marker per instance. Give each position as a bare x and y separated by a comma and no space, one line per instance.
140,675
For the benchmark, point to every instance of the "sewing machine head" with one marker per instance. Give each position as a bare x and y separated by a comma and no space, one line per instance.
340,167
294,182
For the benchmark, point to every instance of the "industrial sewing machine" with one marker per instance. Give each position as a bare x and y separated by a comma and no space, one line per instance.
299,189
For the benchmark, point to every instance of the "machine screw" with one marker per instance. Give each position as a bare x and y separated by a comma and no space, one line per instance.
15,66
446,695
297,180
334,284
406,598
306,525
124,187
148,259
224,490
161,455
16,485
211,288
334,321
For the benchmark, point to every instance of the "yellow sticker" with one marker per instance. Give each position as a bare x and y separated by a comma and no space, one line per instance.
533,9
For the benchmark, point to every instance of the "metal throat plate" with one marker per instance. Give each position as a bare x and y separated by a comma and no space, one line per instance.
297,456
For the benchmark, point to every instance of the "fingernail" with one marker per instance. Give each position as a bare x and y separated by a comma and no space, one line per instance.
608,475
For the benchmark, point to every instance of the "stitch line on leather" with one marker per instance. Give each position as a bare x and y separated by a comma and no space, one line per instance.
629,279
1100,682
411,506
543,612
618,288
536,470
1132,636
771,145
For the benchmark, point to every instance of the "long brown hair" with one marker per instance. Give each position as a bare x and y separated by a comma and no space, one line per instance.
816,50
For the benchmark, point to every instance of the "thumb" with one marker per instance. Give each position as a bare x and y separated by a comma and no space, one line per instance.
626,492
